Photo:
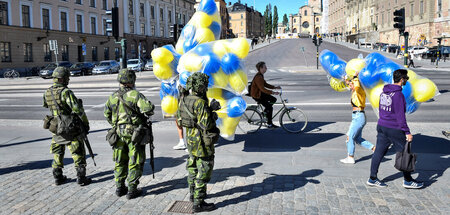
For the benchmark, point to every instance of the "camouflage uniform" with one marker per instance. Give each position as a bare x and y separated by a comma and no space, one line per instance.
129,157
67,103
201,156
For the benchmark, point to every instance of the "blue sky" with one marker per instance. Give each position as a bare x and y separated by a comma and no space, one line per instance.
284,6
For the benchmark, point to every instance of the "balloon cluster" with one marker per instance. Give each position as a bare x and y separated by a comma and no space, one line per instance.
199,50
375,71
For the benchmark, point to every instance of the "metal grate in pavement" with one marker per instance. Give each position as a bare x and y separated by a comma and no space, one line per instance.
181,207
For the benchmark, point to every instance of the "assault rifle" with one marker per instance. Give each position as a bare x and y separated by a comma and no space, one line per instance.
84,134
151,146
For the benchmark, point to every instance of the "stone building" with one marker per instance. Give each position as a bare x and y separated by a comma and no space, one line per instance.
245,21
337,17
307,20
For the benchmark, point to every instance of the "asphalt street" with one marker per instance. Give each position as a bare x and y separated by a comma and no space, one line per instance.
270,172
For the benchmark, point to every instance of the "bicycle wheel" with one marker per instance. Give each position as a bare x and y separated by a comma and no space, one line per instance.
7,74
251,121
15,74
293,120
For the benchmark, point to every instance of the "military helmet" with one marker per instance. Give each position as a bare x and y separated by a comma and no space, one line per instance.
126,77
61,72
198,82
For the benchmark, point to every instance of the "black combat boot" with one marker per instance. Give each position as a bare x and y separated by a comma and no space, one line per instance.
191,198
82,180
134,193
121,191
203,206
59,177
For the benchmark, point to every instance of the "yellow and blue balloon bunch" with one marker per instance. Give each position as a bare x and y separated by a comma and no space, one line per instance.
335,67
165,62
203,27
375,71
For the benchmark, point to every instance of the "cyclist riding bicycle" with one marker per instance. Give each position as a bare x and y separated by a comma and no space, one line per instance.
262,95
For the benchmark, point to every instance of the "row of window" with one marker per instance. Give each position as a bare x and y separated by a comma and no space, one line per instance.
5,52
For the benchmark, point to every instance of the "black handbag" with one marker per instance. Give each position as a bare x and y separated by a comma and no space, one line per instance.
405,161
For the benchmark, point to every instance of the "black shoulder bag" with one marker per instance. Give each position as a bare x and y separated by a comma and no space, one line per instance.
405,161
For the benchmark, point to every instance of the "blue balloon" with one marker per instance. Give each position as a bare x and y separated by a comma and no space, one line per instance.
183,78
188,32
326,58
337,70
219,122
161,94
236,106
169,88
407,91
210,81
230,63
412,106
215,28
189,44
376,59
208,6
368,77
203,49
211,64
386,71
227,94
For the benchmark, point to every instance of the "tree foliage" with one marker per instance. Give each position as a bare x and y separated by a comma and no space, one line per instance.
275,20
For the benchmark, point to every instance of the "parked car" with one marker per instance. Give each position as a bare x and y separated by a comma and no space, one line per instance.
149,65
418,50
82,68
47,71
106,67
135,65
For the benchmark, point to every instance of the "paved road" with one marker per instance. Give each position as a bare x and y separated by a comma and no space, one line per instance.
270,172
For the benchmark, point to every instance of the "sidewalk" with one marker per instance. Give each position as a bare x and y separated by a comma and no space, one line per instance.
270,172
264,44
422,64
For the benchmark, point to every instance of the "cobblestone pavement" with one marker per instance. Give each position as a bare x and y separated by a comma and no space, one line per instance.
246,179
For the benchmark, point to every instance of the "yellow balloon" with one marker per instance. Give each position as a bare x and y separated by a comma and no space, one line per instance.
162,71
354,65
204,35
238,81
162,55
179,46
222,113
220,79
216,17
229,125
169,104
338,85
374,95
412,75
201,19
215,93
220,48
423,89
240,47
191,62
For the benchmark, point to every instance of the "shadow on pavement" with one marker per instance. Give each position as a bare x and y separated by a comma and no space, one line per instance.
163,163
274,183
43,164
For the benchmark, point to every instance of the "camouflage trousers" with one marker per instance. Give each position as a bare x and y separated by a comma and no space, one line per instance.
77,150
129,162
199,173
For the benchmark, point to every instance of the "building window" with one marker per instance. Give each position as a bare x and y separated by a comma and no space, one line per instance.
131,27
242,16
94,53
161,31
92,3
5,51
153,30
421,7
382,18
439,5
152,11
65,52
27,52
142,10
161,14
142,28
242,23
317,19
25,16
184,19
105,4
106,53
3,13
47,53
117,53
63,21
93,25
105,26
170,16
78,2
306,13
295,20
130,7
411,13
79,23
45,18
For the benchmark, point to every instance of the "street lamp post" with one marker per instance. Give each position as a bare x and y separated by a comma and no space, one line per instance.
357,35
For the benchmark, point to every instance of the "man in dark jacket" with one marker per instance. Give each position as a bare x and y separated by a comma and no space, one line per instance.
392,128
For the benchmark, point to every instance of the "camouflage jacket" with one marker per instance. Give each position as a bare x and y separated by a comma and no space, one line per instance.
135,100
206,121
66,100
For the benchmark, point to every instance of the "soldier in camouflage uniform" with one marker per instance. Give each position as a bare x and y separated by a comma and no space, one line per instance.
129,157
201,156
67,103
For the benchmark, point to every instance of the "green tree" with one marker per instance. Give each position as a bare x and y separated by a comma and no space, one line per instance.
285,20
275,20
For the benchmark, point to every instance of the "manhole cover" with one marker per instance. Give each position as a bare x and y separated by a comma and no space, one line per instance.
181,207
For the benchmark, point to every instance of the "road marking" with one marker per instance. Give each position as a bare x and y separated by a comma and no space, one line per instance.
252,71
1,100
95,107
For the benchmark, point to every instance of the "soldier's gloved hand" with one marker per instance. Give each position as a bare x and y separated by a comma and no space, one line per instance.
215,116
214,105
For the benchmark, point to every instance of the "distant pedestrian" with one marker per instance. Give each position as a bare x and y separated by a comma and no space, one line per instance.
354,134
392,128
411,61
446,133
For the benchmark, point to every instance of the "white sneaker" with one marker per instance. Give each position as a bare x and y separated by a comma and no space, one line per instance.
348,160
179,146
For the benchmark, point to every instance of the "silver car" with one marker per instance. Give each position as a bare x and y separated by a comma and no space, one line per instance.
106,67
149,65
135,65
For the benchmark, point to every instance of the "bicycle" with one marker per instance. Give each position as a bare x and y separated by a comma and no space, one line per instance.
292,119
11,74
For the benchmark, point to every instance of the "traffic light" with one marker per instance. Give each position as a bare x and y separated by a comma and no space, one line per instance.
180,28
314,40
174,31
320,40
113,22
399,19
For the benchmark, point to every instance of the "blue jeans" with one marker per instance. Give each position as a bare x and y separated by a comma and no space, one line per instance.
355,132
